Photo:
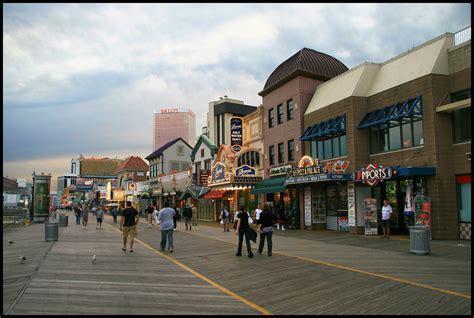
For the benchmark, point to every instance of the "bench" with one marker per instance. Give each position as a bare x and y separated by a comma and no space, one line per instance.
14,215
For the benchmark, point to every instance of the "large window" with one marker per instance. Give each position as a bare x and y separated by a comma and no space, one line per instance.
291,150
462,125
406,133
271,154
281,153
271,118
329,148
280,114
250,158
289,110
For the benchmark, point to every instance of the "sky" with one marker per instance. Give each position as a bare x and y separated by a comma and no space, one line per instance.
87,78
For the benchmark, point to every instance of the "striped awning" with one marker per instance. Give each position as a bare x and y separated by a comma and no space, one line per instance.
215,194
411,108
326,129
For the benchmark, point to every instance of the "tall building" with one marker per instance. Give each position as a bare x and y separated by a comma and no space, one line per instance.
219,115
171,123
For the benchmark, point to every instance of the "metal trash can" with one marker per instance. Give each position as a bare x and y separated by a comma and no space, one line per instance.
420,237
63,220
51,230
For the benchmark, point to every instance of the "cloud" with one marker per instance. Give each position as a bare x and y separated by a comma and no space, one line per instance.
86,78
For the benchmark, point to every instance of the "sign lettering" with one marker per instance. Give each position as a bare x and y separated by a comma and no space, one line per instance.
372,174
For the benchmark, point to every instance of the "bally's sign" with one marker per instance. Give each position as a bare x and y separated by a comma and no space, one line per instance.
372,174
244,171
236,133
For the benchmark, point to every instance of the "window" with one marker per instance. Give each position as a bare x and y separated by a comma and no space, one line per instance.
180,150
281,153
271,119
327,149
207,165
280,114
405,134
271,155
289,110
291,150
313,149
202,153
460,95
342,142
462,125
250,158
174,166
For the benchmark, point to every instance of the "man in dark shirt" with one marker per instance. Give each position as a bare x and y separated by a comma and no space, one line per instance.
188,214
128,225
149,211
265,227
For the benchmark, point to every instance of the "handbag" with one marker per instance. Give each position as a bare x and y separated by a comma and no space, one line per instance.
253,235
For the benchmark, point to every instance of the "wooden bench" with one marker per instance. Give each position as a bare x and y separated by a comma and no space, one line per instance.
14,215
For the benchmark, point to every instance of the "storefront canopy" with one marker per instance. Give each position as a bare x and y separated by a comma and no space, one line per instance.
416,171
195,191
411,108
215,194
326,129
270,186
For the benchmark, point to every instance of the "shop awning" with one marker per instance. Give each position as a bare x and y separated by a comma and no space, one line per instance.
411,108
215,194
270,186
194,191
326,129
416,171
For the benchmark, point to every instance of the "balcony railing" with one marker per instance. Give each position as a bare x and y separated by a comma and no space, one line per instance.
462,36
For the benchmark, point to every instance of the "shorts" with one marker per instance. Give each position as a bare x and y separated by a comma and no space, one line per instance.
99,220
386,223
150,216
130,230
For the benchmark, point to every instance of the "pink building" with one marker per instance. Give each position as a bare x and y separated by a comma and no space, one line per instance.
171,123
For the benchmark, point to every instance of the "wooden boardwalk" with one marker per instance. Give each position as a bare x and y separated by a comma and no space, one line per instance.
307,274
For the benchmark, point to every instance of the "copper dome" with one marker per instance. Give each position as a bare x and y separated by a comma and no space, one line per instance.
305,62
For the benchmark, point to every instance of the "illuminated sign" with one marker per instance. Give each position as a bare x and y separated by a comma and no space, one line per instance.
338,166
236,133
169,110
373,174
218,174
245,171
132,186
307,166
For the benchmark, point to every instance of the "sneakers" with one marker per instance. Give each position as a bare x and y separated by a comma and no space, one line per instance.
251,256
260,252
124,249
238,254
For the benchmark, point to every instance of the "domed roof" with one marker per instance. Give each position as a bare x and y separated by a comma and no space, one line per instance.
306,62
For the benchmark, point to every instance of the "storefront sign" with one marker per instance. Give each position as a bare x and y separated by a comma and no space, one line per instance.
132,186
236,133
370,216
218,174
307,206
372,174
245,171
203,178
277,171
338,166
83,187
318,177
351,204
307,166
169,110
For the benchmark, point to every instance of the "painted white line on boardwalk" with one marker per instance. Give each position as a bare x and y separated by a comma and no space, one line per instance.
354,270
206,279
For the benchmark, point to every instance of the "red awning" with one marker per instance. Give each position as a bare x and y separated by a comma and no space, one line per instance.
215,194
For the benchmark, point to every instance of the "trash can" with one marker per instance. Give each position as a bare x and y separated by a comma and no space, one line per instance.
51,230
63,220
420,239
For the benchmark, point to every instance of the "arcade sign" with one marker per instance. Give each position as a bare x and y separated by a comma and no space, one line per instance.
373,174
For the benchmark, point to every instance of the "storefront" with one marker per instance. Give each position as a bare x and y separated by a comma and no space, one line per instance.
322,189
401,186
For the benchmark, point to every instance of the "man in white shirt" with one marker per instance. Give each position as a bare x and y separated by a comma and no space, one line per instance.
257,214
386,212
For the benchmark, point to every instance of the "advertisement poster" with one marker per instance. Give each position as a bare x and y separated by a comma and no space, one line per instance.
351,204
307,206
422,211
370,216
343,223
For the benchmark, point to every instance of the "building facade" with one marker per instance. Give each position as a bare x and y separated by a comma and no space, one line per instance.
402,130
173,123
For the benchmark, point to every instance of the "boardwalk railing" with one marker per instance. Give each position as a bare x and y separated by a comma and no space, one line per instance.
462,36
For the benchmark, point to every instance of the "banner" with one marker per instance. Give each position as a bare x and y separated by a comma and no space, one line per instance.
370,216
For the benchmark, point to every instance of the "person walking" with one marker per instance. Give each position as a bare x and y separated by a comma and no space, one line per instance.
155,215
256,215
99,214
281,218
265,228
194,218
176,218
113,212
188,214
149,212
165,217
243,229
84,216
128,225
386,212
77,212
224,217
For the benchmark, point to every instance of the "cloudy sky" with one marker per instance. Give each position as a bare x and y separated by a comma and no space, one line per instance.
87,78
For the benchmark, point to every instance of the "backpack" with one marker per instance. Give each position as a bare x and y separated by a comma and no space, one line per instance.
177,215
225,214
